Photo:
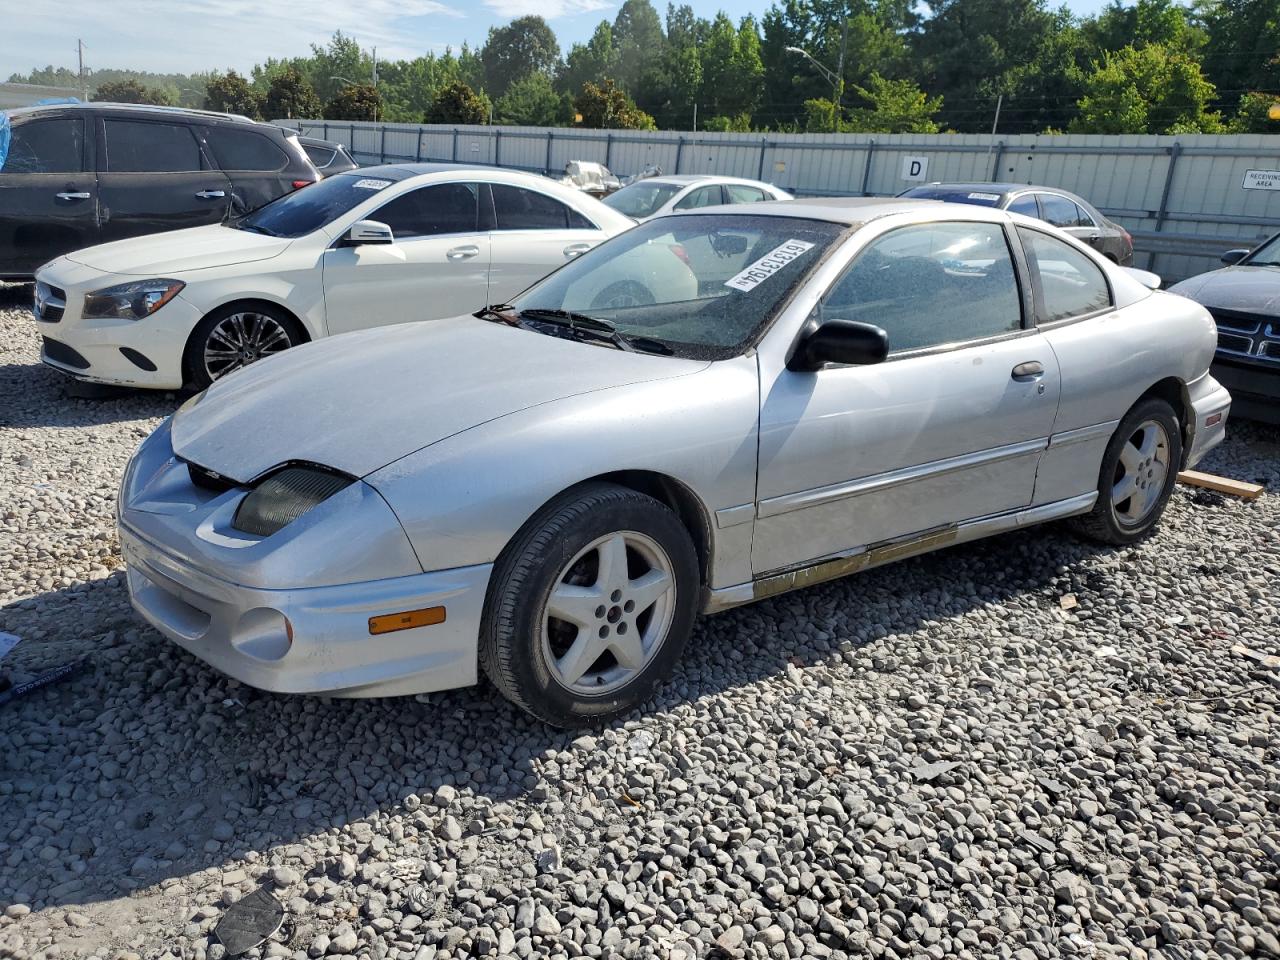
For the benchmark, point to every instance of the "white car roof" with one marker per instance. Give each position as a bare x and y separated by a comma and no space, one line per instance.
684,179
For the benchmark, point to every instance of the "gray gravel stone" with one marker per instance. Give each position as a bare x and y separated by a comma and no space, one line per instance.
934,759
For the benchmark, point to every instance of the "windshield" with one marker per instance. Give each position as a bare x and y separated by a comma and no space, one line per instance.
1267,255
979,198
701,285
642,199
303,211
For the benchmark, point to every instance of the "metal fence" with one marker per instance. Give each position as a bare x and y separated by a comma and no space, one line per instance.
1185,199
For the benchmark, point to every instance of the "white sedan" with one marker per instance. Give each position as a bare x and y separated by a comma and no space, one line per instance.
657,196
549,492
375,246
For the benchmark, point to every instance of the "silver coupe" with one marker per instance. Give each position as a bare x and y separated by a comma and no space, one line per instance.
551,490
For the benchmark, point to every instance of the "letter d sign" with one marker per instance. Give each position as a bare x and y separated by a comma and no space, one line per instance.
915,168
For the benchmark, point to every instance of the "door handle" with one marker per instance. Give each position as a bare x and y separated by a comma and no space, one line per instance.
1026,372
74,195
463,253
211,194
576,250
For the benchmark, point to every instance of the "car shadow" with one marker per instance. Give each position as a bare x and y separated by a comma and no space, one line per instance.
34,395
155,748
16,295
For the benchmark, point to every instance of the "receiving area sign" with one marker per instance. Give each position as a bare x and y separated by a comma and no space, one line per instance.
1261,180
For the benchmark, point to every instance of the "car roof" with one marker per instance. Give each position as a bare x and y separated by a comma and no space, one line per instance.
138,108
847,210
687,178
1001,188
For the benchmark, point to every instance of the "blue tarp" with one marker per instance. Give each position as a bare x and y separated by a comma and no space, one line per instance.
4,138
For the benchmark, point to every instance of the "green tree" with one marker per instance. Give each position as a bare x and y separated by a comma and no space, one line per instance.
896,106
639,42
605,106
588,62
457,102
355,101
1242,52
1253,115
739,124
337,64
525,45
975,50
129,91
231,93
530,102
290,96
1146,90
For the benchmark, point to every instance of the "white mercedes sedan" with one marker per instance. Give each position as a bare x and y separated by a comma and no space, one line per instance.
362,249
658,196
550,490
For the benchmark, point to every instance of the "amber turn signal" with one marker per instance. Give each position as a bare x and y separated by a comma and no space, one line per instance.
391,622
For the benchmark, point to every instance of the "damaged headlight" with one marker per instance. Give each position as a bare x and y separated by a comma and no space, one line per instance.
130,301
285,496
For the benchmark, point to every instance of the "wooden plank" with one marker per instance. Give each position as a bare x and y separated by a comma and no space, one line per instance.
1237,488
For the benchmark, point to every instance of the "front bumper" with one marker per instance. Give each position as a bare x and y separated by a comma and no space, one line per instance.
1254,386
290,612
326,647
1210,407
99,350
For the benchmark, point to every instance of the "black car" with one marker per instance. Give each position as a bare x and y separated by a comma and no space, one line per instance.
1065,210
86,173
329,158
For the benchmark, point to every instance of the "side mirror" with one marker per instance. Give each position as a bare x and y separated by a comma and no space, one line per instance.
1232,257
367,231
840,341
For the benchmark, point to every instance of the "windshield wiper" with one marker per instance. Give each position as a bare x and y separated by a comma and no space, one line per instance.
253,227
580,324
499,313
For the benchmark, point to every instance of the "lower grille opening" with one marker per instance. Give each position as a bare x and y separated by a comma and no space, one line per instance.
61,353
138,360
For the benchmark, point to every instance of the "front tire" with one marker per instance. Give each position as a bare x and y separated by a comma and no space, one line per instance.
234,336
1139,469
590,606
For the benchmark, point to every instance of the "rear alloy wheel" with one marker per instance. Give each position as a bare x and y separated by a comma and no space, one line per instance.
590,605
234,337
1139,470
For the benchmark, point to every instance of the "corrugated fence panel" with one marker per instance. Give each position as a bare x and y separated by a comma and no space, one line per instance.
1182,197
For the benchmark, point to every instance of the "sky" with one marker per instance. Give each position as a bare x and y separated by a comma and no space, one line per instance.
185,36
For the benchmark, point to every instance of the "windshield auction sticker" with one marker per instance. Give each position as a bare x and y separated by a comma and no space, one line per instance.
369,184
768,265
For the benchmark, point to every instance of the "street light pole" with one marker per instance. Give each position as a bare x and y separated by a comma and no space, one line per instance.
835,79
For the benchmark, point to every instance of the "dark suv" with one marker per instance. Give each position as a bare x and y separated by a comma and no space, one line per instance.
86,173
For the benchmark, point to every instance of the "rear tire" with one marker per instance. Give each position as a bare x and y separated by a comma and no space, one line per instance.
590,606
234,336
1139,469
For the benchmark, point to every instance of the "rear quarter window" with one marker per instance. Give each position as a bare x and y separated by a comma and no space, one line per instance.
245,150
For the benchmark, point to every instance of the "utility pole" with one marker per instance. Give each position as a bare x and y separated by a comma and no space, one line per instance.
375,81
996,122
84,87
839,91
695,116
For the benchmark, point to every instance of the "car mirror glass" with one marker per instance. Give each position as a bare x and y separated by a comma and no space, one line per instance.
849,342
728,244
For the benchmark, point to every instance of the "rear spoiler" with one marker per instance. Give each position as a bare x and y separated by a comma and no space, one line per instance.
1144,277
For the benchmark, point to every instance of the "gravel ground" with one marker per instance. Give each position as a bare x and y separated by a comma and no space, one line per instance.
1029,747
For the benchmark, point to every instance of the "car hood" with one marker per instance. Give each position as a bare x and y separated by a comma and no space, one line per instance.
358,401
177,251
1248,289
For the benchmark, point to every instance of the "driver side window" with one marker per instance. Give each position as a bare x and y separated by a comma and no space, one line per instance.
930,285
702,197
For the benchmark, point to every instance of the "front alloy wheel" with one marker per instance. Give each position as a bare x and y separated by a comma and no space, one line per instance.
235,336
1141,469
609,613
590,605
